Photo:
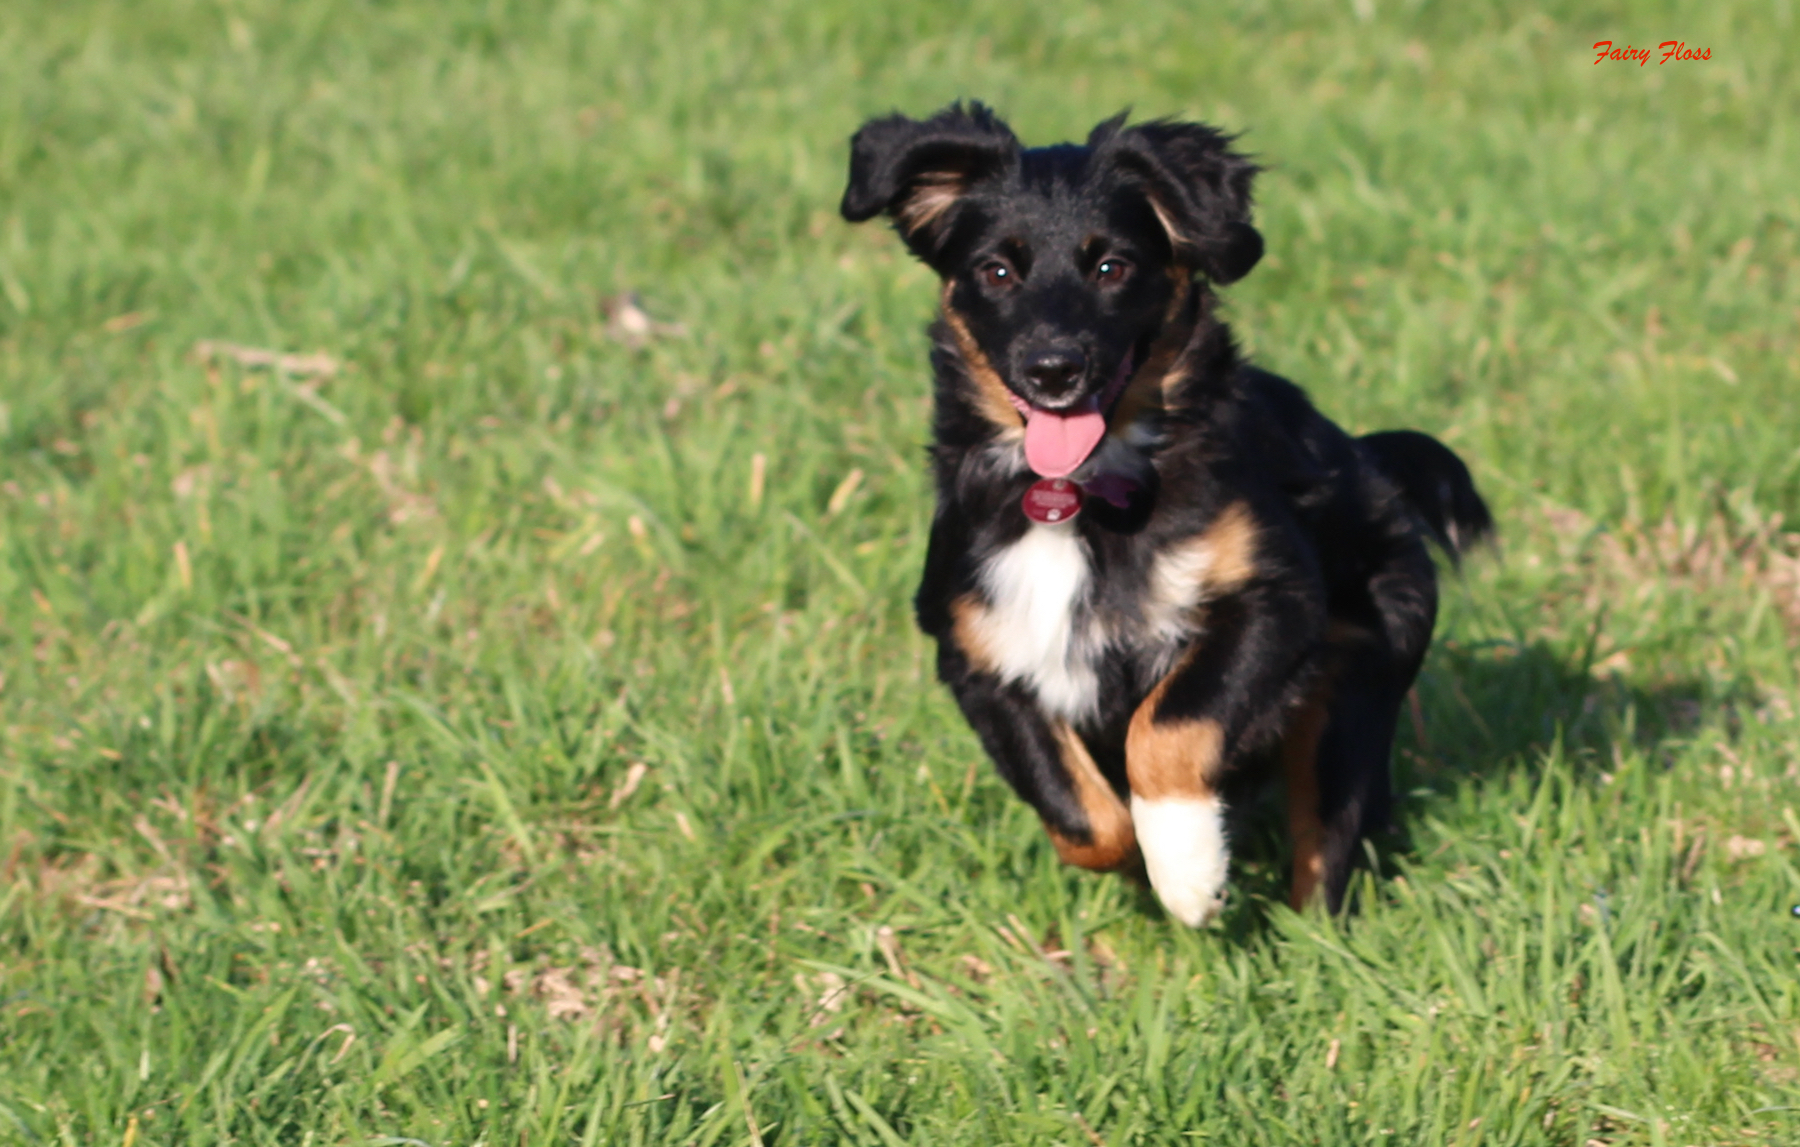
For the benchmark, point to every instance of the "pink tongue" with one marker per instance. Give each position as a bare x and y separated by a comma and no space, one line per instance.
1055,444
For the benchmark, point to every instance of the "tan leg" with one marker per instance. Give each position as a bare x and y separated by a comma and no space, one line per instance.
1180,819
1299,764
1112,844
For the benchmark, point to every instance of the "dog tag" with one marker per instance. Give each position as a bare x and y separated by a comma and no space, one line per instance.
1052,500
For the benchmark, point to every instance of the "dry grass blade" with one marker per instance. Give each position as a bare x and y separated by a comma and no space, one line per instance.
634,776
889,942
315,365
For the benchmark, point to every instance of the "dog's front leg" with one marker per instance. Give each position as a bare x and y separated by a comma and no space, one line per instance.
1227,695
1046,763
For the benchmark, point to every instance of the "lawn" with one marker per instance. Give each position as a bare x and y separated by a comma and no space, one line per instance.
500,721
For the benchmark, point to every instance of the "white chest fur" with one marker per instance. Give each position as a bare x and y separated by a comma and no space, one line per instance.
1035,624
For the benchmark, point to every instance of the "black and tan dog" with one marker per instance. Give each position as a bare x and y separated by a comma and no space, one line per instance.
1152,565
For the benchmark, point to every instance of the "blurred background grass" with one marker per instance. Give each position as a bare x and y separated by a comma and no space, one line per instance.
467,745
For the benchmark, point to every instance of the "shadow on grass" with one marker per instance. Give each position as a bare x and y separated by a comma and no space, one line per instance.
1497,706
1480,711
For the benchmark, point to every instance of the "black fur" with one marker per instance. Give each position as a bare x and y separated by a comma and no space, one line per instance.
1339,595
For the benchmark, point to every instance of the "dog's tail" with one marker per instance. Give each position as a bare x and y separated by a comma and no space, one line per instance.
1437,484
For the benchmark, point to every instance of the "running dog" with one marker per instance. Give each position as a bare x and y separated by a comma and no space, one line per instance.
1153,567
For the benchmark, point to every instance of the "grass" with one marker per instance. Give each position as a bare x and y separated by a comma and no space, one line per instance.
519,737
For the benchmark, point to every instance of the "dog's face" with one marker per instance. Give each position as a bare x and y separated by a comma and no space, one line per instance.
1060,263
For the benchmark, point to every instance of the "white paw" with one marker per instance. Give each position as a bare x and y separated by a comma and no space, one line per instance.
1183,841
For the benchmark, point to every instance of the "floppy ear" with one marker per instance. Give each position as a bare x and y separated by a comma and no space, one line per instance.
1198,187
917,171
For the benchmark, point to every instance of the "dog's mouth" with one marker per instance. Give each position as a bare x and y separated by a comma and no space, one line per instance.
1057,442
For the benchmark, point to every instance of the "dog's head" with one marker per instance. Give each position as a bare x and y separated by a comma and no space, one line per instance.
1060,264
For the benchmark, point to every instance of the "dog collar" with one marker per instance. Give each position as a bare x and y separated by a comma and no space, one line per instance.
1052,501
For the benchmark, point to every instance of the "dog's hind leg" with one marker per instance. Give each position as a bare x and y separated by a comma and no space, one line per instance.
1352,793
1299,767
1338,748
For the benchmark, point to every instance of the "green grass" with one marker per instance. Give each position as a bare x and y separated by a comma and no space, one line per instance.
320,697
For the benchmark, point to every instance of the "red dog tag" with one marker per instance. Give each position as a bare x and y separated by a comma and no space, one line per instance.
1052,500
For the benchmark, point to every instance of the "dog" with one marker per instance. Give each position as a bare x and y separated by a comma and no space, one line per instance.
1154,570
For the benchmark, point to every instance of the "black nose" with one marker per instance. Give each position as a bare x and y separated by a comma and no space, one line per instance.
1056,371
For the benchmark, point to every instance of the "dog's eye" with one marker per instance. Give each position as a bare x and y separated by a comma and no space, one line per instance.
1112,271
996,274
